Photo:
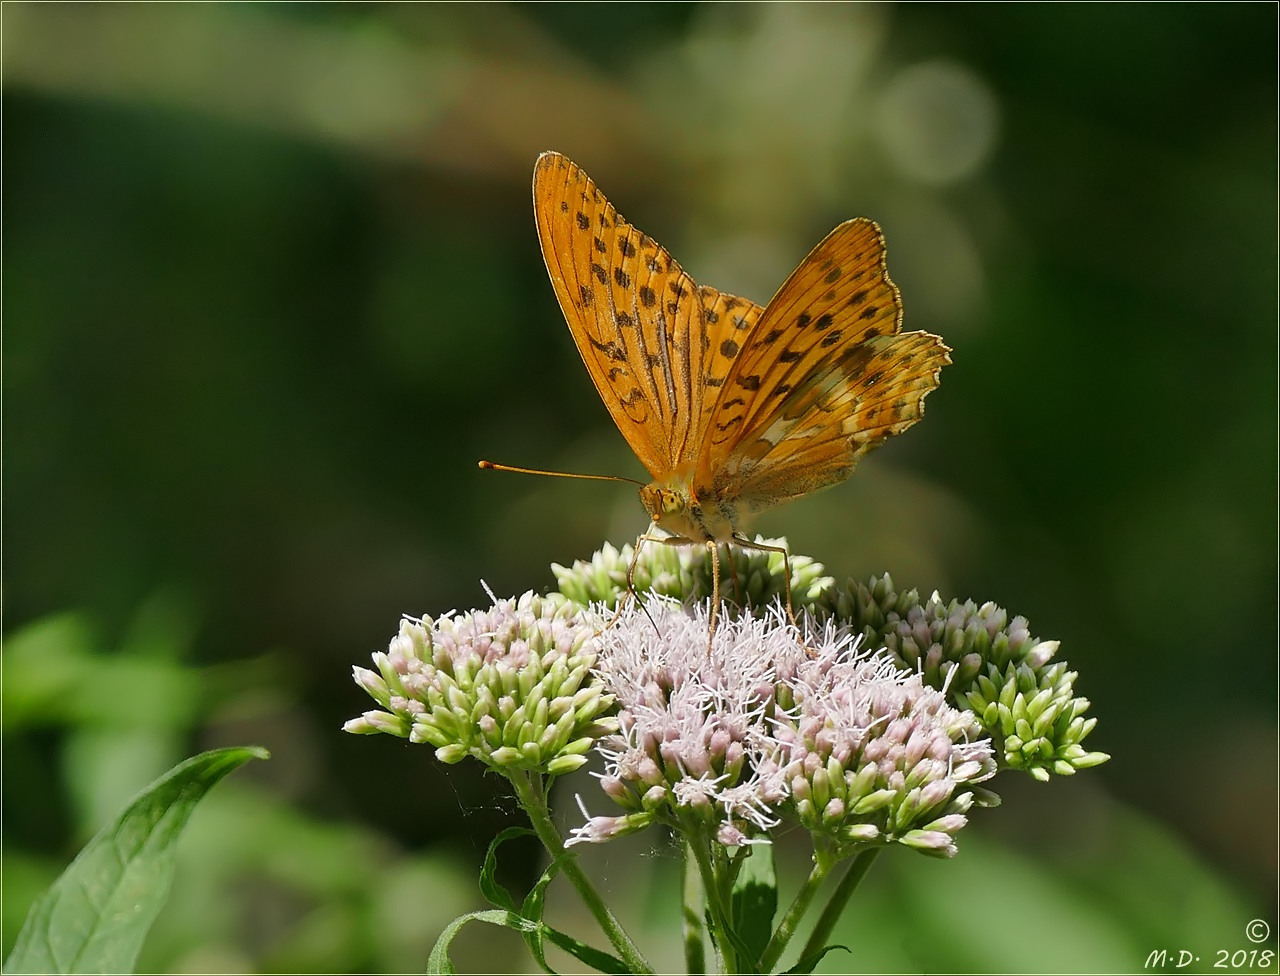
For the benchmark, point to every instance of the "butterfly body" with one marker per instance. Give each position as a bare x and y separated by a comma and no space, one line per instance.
732,407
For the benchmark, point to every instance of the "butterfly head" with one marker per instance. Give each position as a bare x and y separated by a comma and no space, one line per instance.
673,506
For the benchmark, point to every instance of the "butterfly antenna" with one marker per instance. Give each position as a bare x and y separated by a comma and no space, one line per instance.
491,466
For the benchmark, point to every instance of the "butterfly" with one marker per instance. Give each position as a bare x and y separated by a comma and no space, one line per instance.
732,407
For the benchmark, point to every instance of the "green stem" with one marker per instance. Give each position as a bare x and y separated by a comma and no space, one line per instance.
799,905
532,795
695,958
839,899
716,907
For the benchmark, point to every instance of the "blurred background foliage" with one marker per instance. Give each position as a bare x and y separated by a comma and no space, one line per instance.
272,286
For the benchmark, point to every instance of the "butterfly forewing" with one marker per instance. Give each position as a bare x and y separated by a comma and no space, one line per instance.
824,377
636,317
838,296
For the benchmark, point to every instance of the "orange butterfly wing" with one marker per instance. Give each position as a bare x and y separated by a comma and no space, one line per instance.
754,406
648,335
825,376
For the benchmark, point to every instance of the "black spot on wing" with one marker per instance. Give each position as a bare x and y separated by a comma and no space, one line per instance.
610,349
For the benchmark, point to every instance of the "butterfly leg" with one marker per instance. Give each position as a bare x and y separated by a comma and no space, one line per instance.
666,540
715,591
631,577
674,540
733,575
786,562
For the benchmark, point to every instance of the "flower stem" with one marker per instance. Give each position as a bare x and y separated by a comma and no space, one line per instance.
695,960
531,792
720,921
839,899
799,905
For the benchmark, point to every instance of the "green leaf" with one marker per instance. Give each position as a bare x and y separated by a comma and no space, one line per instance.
747,962
597,959
94,918
527,920
755,900
438,961
807,963
493,892
532,909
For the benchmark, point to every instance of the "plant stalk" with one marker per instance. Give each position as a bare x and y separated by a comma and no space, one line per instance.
786,929
695,955
839,899
531,792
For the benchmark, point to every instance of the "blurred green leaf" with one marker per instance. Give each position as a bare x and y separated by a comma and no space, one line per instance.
55,672
755,899
42,663
96,915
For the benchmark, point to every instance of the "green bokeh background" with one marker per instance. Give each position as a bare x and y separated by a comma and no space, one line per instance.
271,288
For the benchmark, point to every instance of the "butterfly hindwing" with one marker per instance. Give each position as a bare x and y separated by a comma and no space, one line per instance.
727,321
846,408
824,377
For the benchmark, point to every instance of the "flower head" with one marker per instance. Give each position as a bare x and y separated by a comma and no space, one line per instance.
752,577
511,686
692,738
764,725
871,754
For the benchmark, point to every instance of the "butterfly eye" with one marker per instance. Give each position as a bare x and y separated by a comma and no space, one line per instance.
671,503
